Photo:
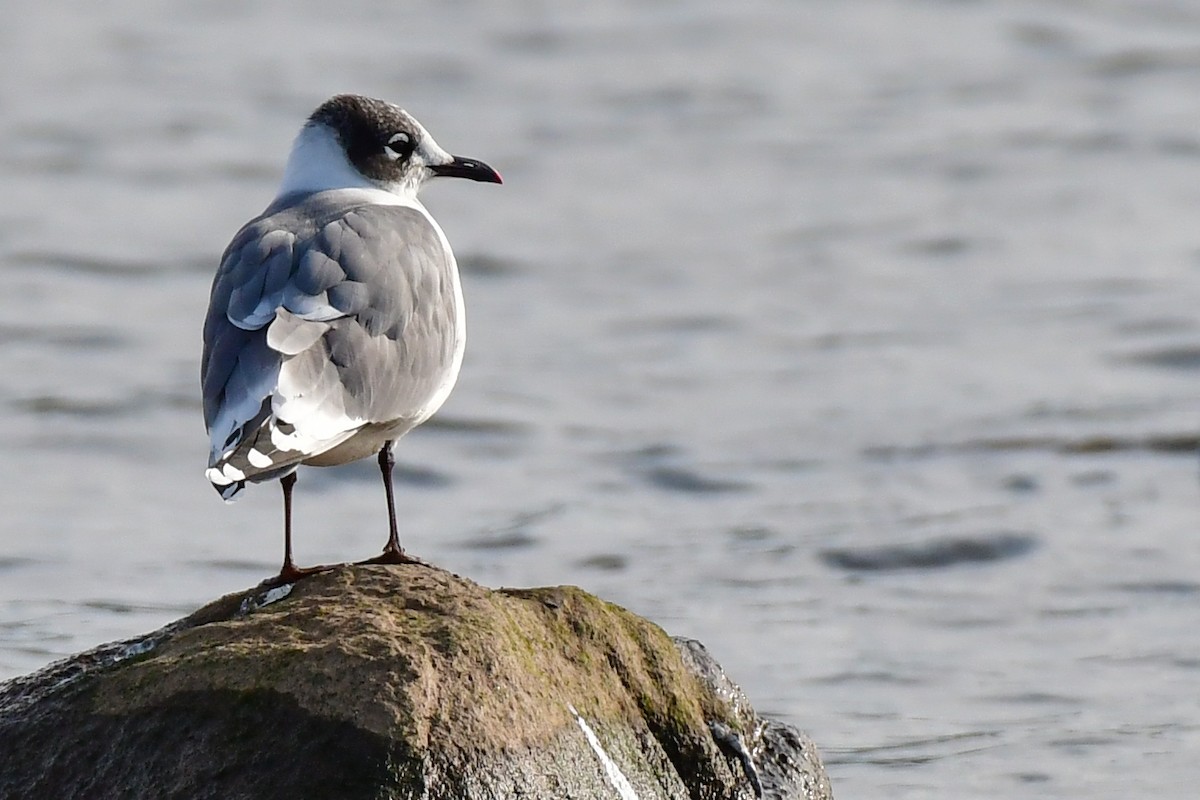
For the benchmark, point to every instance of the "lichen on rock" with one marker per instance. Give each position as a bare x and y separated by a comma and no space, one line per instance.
389,682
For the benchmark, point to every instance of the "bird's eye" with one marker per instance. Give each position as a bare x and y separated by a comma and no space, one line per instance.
399,146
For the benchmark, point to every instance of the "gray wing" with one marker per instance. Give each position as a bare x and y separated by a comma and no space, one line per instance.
323,320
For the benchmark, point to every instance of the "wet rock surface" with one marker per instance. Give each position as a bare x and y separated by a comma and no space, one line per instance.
398,682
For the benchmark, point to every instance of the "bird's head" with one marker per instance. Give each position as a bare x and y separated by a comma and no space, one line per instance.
351,140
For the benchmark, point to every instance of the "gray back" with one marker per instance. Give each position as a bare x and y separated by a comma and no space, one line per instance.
369,328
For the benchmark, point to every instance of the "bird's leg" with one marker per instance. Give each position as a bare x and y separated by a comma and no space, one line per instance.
392,553
387,463
290,573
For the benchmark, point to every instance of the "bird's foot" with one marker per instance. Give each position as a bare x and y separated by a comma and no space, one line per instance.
291,573
393,555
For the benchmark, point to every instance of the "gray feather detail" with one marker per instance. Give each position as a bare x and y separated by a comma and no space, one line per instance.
350,297
308,306
289,334
258,274
325,314
319,270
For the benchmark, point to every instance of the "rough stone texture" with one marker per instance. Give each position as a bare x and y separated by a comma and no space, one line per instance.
397,682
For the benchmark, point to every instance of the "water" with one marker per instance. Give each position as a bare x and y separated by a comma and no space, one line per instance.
857,339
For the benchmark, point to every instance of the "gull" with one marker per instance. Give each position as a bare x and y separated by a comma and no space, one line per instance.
335,323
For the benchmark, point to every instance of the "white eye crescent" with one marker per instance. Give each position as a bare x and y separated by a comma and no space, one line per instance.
398,146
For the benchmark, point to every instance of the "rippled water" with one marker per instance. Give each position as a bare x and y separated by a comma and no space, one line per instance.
857,339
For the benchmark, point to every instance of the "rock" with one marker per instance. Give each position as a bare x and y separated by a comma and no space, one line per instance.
397,682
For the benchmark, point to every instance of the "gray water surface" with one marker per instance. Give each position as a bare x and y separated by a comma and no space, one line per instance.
858,340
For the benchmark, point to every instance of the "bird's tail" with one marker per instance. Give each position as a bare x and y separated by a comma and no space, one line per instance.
255,459
274,449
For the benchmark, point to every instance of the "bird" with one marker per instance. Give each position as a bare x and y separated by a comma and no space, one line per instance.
335,322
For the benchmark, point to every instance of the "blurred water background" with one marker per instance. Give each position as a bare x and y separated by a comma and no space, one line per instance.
858,339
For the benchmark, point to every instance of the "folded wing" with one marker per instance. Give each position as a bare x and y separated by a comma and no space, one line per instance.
324,317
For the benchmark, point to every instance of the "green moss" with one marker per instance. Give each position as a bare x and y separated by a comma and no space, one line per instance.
418,651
